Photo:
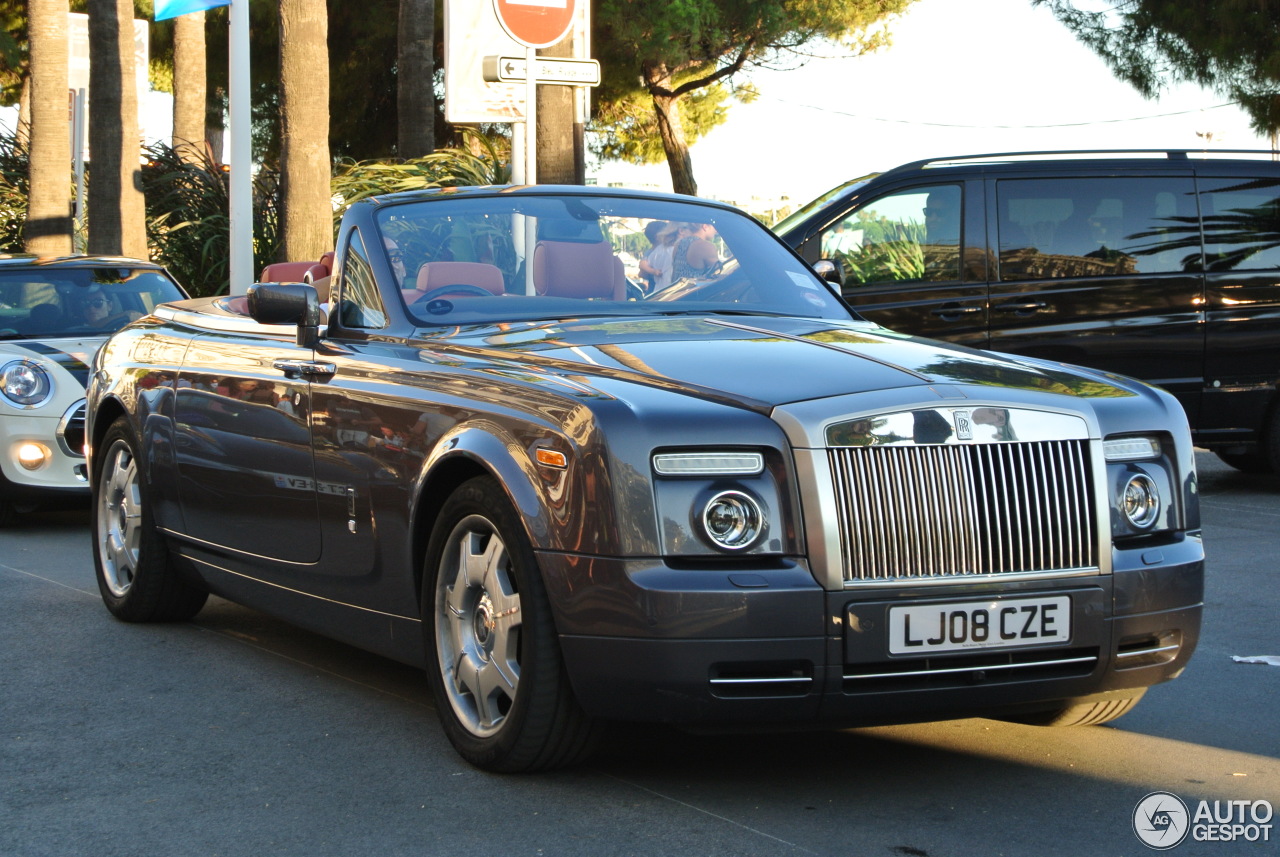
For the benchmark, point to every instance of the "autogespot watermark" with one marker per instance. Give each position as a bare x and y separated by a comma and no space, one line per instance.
1162,820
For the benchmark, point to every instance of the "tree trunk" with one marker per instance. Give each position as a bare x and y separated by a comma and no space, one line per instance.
48,228
557,126
117,215
666,107
189,86
415,91
304,139
22,136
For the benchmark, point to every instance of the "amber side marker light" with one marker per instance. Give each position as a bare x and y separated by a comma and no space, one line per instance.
551,458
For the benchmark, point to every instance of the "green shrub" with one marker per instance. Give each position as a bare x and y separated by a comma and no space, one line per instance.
188,224
13,193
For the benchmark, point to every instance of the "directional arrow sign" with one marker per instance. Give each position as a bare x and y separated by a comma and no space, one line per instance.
549,70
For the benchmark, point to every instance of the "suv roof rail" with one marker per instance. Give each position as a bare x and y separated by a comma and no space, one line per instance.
1171,154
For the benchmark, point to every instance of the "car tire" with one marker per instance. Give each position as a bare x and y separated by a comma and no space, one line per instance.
492,654
8,514
1082,714
1265,459
136,575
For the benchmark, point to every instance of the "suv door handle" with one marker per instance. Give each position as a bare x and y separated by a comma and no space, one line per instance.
945,311
304,368
1029,306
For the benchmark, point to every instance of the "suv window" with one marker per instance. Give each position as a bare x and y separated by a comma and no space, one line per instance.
1240,223
1054,228
910,235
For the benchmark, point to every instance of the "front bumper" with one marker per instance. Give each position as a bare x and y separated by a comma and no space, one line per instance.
60,434
766,645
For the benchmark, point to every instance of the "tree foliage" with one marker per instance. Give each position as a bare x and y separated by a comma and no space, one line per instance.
667,49
1229,46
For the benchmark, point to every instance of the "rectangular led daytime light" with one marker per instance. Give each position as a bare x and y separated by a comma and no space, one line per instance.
708,463
1131,449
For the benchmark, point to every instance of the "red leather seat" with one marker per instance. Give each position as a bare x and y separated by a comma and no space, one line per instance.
434,275
569,269
285,272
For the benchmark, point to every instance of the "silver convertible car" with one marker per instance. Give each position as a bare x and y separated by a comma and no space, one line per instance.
718,499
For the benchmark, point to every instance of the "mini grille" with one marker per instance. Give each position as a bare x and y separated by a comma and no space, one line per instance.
922,512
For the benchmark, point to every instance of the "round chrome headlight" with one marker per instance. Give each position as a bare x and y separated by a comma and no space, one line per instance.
25,383
1140,501
732,520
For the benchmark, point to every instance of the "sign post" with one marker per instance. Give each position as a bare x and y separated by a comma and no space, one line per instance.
534,24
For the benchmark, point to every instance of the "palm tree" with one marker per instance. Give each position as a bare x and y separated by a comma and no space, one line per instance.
304,140
189,86
117,219
415,90
48,228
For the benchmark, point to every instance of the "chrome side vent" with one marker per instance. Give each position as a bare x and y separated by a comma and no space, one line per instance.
938,511
71,430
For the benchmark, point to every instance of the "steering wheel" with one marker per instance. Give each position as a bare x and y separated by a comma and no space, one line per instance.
461,289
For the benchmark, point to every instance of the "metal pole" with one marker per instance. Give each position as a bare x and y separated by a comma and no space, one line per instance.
240,132
78,129
531,115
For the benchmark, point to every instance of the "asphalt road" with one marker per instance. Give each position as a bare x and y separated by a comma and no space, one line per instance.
239,735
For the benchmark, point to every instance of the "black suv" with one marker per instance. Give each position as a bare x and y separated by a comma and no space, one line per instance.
1161,265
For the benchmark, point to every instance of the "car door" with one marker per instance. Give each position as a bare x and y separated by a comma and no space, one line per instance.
246,478
913,259
1242,297
1102,271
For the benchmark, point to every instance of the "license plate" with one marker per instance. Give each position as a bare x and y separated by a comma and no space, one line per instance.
964,625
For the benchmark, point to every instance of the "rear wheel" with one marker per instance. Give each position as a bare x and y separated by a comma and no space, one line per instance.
1082,714
135,574
493,659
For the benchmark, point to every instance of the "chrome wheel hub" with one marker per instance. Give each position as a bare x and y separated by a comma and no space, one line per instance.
119,510
478,624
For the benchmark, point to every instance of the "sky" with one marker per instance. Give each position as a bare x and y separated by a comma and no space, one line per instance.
960,77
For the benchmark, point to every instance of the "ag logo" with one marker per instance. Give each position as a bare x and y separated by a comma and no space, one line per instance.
1161,820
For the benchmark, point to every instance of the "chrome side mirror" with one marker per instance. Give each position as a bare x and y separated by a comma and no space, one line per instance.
829,270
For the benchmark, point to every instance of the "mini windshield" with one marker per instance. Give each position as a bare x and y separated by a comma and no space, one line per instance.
42,302
516,257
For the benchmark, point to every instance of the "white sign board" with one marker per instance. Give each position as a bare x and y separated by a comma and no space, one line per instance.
472,32
548,70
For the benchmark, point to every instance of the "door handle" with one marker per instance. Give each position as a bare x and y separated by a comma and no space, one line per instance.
1029,306
945,311
304,368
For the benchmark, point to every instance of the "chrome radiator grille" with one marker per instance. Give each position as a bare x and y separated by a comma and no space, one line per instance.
923,512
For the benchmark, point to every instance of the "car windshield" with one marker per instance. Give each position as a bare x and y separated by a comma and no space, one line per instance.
41,302
516,257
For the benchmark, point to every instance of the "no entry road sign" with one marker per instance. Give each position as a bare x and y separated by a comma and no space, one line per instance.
535,23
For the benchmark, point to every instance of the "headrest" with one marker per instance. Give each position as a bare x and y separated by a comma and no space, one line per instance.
433,275
571,270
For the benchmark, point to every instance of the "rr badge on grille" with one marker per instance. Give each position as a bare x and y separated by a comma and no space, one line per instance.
964,426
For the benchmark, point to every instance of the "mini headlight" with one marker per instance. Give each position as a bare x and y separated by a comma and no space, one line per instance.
25,383
1140,501
732,520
